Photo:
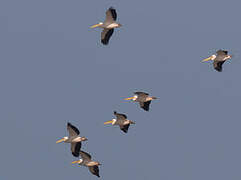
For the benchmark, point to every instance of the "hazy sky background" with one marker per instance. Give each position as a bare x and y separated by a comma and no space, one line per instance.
53,69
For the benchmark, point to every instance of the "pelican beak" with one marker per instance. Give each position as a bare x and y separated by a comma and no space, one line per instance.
108,122
59,141
130,98
207,59
76,162
96,25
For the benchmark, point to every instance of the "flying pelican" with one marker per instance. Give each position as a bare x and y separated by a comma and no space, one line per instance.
86,161
143,98
219,59
121,120
74,139
108,25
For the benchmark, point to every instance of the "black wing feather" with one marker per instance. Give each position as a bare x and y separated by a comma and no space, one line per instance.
218,65
115,113
145,105
106,39
94,170
138,93
124,128
86,154
77,149
73,127
113,12
222,52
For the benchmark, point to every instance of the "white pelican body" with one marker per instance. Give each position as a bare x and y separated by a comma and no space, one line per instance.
74,139
143,98
86,161
122,121
108,26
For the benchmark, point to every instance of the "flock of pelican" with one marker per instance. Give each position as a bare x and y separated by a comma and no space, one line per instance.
144,99
121,120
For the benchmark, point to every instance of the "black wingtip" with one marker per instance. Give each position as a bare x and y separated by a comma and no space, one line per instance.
75,154
104,42
218,70
146,105
125,128
125,131
146,109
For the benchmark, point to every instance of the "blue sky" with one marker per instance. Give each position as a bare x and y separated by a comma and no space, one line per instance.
54,70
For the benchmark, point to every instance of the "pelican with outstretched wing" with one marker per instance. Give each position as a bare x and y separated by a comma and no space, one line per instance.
86,161
143,98
108,25
74,139
122,121
218,59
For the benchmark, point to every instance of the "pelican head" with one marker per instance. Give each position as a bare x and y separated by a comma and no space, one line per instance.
97,25
210,58
113,121
62,140
79,161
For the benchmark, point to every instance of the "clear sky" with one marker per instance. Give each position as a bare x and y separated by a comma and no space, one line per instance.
53,69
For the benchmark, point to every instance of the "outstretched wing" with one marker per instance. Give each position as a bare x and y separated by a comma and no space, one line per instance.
73,131
94,170
75,149
145,105
85,155
105,35
120,116
125,127
111,15
141,93
218,65
222,52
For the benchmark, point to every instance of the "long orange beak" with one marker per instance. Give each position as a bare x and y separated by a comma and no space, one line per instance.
207,59
96,25
130,98
59,141
76,162
108,122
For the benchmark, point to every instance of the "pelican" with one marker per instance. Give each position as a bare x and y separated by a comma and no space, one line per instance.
86,161
74,139
121,120
108,25
143,98
219,59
